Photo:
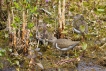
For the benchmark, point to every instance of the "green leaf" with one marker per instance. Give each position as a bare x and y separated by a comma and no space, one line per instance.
30,25
31,34
40,65
16,5
64,32
85,3
82,28
9,60
33,10
10,50
100,10
84,46
17,62
17,19
28,6
1,65
14,0
6,35
2,52
28,1
14,25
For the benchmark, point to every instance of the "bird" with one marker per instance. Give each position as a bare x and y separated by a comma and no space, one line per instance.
42,35
78,22
62,44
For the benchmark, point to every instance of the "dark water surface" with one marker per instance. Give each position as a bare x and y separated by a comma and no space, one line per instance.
82,66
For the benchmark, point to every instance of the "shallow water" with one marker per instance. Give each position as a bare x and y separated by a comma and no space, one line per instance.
85,66
82,66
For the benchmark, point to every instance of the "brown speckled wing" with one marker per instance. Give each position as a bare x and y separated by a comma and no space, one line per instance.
64,43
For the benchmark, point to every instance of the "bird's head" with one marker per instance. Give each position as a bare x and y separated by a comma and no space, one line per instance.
51,38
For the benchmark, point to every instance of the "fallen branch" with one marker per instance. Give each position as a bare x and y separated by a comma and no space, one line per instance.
67,61
46,11
104,45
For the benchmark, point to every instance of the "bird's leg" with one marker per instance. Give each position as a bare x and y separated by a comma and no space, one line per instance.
60,53
67,54
57,52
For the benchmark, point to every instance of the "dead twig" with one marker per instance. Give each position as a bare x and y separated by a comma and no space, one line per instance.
63,61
